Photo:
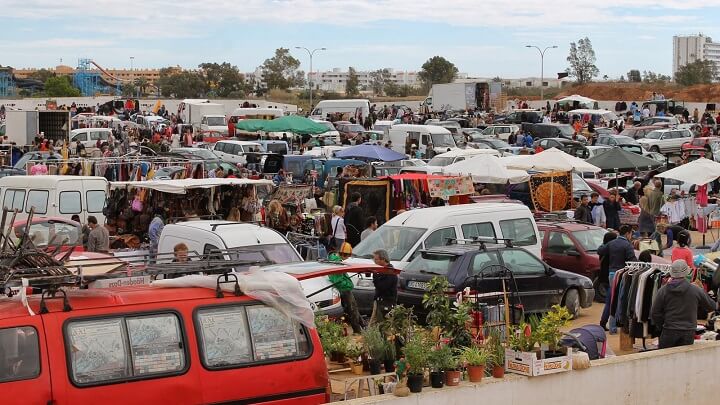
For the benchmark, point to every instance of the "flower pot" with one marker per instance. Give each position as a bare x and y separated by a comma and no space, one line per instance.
476,373
415,382
452,377
437,379
337,357
498,371
356,368
365,362
389,365
375,366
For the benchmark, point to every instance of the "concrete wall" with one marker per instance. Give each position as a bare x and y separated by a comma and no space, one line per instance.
684,375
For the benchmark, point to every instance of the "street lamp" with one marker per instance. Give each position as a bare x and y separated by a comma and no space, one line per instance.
311,53
542,67
132,74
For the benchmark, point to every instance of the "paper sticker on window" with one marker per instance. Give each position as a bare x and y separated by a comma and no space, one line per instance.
224,336
273,334
98,350
155,344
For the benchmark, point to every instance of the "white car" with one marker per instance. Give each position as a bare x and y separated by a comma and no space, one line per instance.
665,140
501,131
235,152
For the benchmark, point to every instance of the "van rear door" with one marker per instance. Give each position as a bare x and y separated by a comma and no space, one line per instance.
24,368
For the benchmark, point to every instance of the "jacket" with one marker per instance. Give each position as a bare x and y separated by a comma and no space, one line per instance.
385,287
354,223
582,213
619,251
655,202
612,214
676,304
98,240
341,281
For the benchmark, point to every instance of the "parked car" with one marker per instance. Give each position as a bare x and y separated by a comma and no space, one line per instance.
498,144
476,266
520,116
704,144
625,142
596,150
348,129
501,131
665,140
553,131
637,132
573,148
669,120
235,152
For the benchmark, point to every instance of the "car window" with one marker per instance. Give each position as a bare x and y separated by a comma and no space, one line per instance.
481,261
124,348
98,135
474,230
37,199
440,237
95,200
19,354
80,137
521,262
521,231
70,202
14,200
559,243
487,131
232,336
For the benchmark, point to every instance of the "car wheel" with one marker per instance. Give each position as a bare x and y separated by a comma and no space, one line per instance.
572,302
655,149
600,289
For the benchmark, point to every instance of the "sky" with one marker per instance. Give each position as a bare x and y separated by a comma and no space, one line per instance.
484,38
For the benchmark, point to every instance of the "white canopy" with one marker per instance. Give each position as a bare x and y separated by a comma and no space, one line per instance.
699,172
607,115
578,98
183,185
552,159
486,169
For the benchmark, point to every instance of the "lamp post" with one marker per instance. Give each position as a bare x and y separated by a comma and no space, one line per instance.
311,53
542,67
132,74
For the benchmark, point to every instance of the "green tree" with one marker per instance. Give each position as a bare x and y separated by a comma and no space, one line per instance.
437,70
378,80
42,75
128,89
183,84
141,84
281,71
351,86
634,76
224,79
652,77
582,61
698,72
60,86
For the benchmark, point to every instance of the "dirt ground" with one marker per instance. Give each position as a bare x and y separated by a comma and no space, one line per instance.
643,91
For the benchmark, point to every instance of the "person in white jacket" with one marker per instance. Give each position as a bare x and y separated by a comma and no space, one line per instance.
596,210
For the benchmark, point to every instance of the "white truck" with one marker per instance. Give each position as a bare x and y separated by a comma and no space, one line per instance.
203,115
460,96
22,126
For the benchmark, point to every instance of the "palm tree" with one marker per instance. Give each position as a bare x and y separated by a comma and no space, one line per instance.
142,83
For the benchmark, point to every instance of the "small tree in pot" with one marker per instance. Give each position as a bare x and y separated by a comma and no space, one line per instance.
374,343
354,353
440,359
549,330
417,353
451,319
496,351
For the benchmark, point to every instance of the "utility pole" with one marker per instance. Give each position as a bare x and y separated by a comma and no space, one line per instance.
310,82
542,67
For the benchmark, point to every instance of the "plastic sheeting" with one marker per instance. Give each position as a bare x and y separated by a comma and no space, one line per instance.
276,289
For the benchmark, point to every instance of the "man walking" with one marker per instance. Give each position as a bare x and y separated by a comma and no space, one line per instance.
618,251
612,210
583,212
354,219
344,285
675,308
385,288
99,237
371,224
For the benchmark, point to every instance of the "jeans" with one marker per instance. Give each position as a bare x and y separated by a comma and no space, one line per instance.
608,302
351,310
674,338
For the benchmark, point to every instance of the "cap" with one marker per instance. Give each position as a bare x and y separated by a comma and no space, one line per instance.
346,249
679,269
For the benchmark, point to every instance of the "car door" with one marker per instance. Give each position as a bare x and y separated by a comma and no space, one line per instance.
561,251
24,369
531,278
481,275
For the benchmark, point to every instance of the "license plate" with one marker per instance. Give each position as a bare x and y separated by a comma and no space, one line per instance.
417,285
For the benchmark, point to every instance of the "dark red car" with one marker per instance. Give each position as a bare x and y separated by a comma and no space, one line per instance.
697,145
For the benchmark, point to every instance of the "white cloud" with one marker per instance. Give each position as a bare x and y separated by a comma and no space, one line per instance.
55,43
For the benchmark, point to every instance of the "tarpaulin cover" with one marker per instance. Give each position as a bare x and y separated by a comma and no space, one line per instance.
183,185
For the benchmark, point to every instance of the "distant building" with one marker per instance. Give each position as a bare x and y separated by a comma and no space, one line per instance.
335,79
692,48
110,75
524,82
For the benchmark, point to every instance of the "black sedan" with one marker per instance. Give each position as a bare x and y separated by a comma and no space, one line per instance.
538,286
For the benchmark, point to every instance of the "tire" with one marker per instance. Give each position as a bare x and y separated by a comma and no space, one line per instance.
600,290
571,301
655,149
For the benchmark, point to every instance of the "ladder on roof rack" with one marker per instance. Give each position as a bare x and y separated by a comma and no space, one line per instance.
482,241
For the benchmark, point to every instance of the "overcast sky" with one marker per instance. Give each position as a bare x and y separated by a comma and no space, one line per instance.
482,37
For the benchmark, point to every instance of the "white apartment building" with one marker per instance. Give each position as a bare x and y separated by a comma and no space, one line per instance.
547,82
691,48
335,79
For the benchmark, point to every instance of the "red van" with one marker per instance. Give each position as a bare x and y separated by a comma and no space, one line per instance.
149,345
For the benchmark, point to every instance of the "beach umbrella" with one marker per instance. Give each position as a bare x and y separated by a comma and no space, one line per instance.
552,159
368,151
699,172
486,169
619,160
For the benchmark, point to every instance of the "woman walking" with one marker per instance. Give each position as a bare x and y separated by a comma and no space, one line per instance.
338,228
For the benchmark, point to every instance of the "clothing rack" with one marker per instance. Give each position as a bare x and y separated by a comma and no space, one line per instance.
309,246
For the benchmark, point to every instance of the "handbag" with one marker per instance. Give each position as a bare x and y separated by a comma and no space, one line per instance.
333,240
137,205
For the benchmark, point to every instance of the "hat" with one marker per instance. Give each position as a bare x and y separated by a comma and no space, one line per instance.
679,269
346,248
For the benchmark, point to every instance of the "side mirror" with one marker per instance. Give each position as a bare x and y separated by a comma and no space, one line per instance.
572,252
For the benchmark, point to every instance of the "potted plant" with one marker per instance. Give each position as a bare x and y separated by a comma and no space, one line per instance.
451,320
354,353
453,375
475,358
374,343
440,359
549,333
389,356
417,353
338,348
331,334
496,354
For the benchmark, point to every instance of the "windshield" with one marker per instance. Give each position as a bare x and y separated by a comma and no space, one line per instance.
328,125
441,161
432,264
353,128
396,240
654,135
590,239
216,121
579,184
566,130
272,254
632,148
279,148
380,128
443,141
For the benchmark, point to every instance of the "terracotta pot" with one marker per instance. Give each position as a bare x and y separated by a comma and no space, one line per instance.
437,379
452,377
415,382
476,373
498,372
356,368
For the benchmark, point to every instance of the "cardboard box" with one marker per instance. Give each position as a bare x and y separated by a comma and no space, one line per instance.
527,363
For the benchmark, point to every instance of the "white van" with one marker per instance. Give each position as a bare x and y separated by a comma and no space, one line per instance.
436,164
406,234
55,196
88,137
349,107
243,241
234,152
428,138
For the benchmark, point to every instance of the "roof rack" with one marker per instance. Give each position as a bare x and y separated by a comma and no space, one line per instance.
482,240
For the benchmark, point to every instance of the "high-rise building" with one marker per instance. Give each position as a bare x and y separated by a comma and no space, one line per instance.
691,48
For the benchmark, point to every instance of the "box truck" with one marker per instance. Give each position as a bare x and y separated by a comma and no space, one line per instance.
22,126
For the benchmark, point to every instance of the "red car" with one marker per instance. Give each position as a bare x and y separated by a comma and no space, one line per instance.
704,143
572,246
51,232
